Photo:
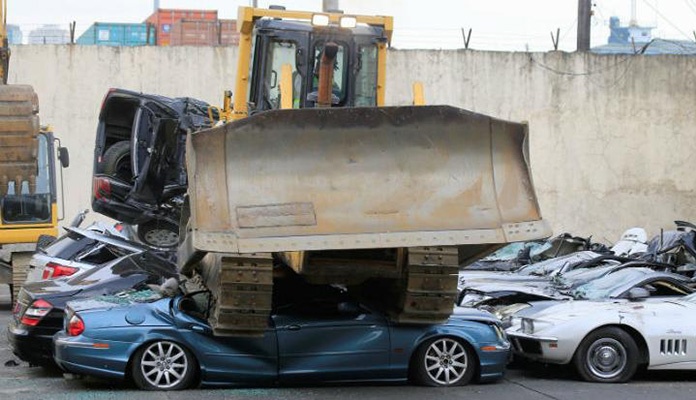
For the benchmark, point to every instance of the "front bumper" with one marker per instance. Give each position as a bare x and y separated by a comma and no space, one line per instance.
29,346
539,348
80,355
493,359
493,364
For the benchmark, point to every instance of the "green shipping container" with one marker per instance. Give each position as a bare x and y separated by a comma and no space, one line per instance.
118,34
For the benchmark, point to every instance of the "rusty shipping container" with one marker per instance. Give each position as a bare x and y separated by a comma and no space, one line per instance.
188,32
228,34
164,20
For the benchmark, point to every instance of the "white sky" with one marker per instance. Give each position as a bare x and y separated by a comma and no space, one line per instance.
512,25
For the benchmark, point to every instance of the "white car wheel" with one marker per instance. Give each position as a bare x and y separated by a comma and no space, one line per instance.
606,358
607,355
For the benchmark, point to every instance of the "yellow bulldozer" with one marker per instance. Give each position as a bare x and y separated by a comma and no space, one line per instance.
308,168
28,207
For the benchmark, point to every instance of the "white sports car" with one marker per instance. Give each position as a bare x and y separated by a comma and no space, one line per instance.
607,340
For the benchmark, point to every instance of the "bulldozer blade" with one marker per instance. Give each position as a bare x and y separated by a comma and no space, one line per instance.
356,178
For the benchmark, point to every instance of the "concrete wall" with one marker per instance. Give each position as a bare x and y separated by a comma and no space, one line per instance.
612,137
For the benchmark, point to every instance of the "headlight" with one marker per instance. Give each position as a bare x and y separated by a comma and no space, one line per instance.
320,20
527,326
506,313
500,333
348,22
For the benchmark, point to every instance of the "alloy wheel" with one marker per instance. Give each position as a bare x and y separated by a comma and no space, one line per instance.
164,364
446,361
161,238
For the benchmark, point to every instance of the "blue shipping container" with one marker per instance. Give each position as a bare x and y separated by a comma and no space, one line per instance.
118,34
14,34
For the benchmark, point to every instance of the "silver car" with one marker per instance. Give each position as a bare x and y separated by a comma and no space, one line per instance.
79,250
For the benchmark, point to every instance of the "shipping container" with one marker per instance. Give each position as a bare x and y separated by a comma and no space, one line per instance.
228,34
49,34
14,34
191,32
164,19
118,34
187,32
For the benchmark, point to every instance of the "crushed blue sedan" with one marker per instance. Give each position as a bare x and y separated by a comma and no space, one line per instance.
167,344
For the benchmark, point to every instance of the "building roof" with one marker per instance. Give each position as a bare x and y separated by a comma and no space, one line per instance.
653,47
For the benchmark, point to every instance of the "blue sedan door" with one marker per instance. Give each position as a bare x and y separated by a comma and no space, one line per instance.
331,341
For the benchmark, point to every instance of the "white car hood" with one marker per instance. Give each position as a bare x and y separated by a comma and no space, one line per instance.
571,309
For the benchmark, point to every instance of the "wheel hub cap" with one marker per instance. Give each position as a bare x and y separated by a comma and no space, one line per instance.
446,361
164,365
606,358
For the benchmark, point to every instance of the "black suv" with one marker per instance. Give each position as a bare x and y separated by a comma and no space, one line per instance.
139,172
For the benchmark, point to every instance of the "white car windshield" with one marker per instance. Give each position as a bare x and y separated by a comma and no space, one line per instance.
547,267
605,286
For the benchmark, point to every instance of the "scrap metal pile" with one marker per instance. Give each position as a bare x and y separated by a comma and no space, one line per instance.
570,267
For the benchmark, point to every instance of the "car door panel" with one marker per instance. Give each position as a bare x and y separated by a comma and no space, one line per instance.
231,359
669,332
336,348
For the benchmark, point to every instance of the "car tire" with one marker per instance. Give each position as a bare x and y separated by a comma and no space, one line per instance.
163,365
117,161
159,233
607,355
443,361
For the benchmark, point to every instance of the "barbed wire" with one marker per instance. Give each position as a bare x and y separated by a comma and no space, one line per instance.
404,37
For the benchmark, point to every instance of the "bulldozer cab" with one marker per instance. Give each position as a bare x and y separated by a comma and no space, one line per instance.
276,40
301,45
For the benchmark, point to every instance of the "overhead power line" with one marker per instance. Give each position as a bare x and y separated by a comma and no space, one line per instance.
666,19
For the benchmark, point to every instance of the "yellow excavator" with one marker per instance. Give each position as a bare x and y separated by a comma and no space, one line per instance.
28,207
309,169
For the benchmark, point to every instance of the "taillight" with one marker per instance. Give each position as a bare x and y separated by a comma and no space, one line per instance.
53,271
75,326
36,311
101,188
106,96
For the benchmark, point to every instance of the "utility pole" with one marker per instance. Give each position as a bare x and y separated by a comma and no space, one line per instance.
328,5
584,12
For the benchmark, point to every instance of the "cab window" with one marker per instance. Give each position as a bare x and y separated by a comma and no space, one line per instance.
366,77
339,83
281,52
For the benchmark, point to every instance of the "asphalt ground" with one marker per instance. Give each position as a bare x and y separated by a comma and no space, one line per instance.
523,382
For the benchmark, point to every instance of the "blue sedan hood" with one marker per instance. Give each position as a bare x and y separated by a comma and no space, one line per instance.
473,314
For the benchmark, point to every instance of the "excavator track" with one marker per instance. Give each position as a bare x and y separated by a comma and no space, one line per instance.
242,293
429,285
